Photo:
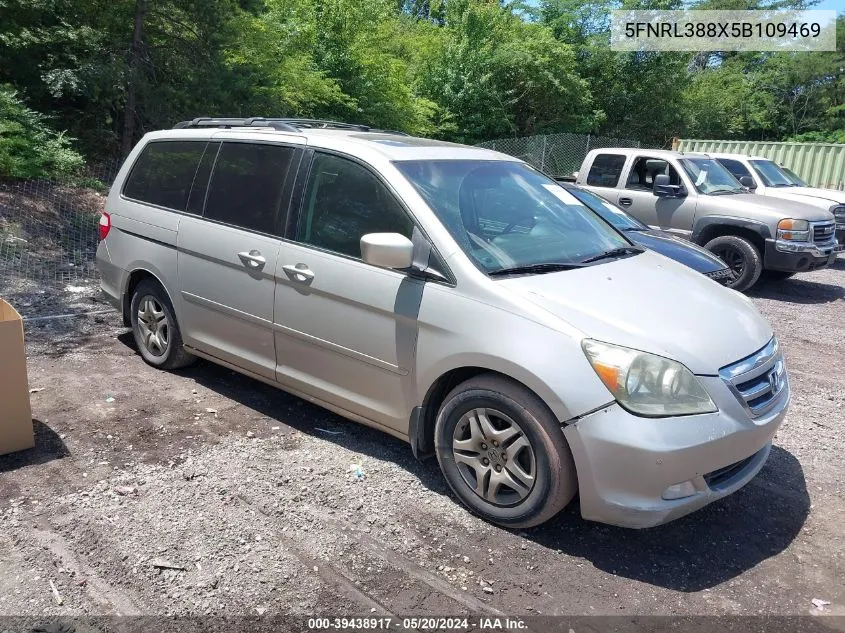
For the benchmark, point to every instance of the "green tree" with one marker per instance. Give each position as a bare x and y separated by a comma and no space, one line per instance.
29,147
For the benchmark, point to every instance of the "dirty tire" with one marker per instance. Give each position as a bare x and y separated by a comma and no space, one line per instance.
777,275
151,305
741,256
508,408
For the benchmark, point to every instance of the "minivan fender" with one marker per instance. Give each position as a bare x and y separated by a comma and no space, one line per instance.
138,272
445,376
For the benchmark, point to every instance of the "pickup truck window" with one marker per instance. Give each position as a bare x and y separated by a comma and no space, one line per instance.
606,170
736,168
645,169
709,177
771,174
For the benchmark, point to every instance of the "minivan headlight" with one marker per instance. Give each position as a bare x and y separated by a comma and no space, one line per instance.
794,230
646,384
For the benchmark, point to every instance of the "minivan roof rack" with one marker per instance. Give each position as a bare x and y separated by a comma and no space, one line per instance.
280,124
324,124
199,122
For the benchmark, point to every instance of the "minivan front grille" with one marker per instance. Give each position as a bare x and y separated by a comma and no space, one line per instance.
758,381
823,232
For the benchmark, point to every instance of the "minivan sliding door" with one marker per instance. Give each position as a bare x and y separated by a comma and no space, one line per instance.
227,257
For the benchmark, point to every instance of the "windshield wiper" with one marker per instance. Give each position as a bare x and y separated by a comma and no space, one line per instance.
535,269
613,252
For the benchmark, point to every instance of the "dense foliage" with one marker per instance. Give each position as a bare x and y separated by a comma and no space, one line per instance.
29,148
468,70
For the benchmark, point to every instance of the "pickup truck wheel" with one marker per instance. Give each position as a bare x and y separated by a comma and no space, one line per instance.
503,452
741,256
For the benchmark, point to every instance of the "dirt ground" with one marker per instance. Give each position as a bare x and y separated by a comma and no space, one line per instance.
204,492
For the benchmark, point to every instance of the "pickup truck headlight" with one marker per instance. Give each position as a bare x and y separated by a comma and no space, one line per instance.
794,230
646,384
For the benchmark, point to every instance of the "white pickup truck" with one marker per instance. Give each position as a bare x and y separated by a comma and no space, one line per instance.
695,196
765,177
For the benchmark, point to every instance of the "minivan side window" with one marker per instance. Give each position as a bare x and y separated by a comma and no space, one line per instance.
736,168
246,185
344,201
164,172
605,170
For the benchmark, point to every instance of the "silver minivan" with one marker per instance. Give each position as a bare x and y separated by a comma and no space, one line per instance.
453,297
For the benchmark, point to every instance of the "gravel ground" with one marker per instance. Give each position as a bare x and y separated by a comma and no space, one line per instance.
204,492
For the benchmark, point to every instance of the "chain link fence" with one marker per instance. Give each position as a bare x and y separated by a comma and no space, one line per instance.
555,154
48,229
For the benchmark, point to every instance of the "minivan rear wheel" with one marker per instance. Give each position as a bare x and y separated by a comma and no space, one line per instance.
741,256
503,453
155,328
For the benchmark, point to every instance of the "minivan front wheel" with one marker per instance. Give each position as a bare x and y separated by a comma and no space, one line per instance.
741,256
155,328
503,453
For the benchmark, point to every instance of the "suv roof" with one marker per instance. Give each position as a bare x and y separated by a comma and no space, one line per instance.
329,135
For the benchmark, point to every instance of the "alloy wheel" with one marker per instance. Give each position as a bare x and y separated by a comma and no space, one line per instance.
494,456
153,325
733,258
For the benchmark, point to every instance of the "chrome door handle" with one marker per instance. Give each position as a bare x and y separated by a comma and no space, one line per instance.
299,272
252,259
625,202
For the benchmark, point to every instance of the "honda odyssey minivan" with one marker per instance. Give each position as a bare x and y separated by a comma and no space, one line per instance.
453,297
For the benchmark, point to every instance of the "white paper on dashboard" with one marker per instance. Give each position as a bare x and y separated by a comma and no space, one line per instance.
563,195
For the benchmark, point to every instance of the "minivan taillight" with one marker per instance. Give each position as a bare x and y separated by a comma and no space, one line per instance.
105,225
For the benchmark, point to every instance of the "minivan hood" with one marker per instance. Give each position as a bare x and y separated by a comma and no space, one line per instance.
773,209
650,303
823,198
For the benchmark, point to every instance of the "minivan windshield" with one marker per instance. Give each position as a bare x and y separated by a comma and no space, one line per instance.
771,174
506,216
710,177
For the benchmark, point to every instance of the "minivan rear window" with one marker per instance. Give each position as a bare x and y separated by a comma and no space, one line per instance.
164,172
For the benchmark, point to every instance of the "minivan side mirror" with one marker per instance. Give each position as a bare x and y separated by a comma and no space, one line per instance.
662,188
388,250
747,181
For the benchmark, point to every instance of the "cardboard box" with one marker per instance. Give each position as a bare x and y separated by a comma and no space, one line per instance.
15,413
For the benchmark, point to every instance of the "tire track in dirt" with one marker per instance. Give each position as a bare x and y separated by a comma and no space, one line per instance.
335,575
117,601
406,565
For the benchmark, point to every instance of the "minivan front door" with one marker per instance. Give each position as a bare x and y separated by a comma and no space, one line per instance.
227,258
346,331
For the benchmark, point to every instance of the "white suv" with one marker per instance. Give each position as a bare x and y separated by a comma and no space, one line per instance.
453,297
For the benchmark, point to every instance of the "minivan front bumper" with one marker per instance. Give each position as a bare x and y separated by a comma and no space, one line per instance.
642,472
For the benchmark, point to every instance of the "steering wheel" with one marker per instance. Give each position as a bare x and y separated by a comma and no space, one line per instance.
510,227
